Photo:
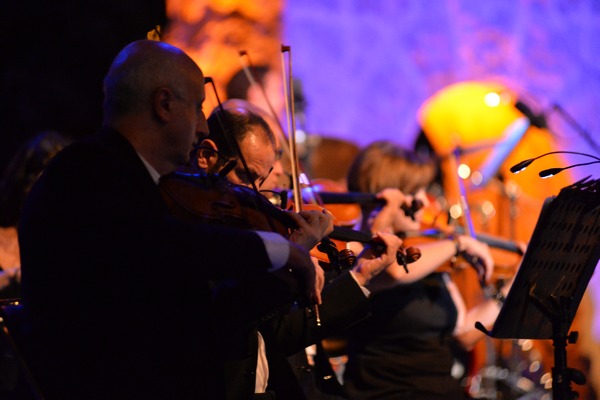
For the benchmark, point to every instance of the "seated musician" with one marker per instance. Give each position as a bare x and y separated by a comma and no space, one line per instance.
117,290
255,351
24,168
405,350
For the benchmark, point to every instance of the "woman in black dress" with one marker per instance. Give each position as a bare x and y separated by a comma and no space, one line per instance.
405,351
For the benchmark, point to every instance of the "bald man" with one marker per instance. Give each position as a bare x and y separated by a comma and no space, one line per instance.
116,290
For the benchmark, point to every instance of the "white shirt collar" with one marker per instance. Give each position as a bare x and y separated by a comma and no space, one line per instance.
153,172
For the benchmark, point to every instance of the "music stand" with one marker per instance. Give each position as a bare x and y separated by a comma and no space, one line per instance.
556,268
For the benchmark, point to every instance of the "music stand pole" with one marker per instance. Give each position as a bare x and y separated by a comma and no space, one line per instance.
562,376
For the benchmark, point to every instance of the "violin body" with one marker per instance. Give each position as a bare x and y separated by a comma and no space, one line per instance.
214,200
346,210
507,254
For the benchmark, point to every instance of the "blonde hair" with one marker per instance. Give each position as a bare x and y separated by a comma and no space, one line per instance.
383,164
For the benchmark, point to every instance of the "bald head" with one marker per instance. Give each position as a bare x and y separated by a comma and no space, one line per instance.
237,123
139,70
153,95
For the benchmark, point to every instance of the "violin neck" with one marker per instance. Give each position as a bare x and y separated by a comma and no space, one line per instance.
349,235
497,243
363,199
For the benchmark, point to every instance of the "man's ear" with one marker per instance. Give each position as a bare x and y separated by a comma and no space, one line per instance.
207,159
162,100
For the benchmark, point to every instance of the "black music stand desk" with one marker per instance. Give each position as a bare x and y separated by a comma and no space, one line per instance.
555,271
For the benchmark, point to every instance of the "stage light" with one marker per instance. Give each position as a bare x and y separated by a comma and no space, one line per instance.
492,99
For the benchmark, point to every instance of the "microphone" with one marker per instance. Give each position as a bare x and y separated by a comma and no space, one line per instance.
539,121
520,166
547,173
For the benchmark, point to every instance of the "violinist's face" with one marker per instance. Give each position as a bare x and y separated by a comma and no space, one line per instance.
177,109
260,157
404,223
190,118
273,181
259,154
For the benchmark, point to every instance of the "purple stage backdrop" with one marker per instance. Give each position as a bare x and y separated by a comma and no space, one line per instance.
367,66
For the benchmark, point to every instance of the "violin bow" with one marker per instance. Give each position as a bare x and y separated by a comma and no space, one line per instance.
489,290
466,213
291,119
286,142
246,64
288,89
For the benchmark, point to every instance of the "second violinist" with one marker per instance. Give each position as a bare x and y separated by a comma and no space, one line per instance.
252,345
406,350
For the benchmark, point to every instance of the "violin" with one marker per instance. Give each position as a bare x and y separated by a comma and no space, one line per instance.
506,253
334,197
438,225
404,255
366,199
492,241
346,213
213,199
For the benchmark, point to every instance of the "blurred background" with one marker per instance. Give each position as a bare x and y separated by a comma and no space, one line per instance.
495,82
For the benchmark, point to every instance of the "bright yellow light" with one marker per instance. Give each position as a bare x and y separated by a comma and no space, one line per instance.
462,110
492,99
464,171
455,211
488,209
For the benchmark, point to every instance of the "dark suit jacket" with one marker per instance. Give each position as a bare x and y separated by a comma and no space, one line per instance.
285,332
116,289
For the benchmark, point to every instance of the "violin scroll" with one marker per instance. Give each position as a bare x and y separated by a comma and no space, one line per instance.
411,210
340,259
404,256
411,255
